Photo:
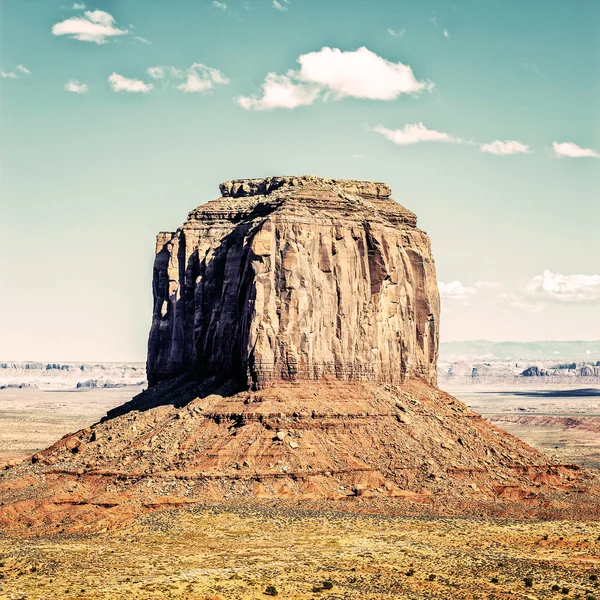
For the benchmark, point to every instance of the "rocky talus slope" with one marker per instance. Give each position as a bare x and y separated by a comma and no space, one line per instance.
292,355
380,448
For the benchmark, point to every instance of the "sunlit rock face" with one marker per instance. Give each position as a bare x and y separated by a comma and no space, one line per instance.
295,278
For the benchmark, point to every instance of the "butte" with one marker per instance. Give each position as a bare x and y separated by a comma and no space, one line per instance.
292,354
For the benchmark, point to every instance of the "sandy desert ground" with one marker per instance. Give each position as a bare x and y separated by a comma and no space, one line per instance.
237,553
33,419
560,420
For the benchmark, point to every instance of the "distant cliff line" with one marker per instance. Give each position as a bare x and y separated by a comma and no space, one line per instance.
563,351
68,375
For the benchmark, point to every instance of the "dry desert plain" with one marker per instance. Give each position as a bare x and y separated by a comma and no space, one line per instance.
306,550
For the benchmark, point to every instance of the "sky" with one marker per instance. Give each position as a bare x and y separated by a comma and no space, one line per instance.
118,118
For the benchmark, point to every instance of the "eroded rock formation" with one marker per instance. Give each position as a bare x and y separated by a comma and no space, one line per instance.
321,295
296,278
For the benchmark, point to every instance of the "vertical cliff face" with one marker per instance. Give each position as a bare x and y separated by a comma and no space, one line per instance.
296,278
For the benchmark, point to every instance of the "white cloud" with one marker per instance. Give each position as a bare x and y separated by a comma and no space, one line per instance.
219,5
78,6
413,134
455,290
505,148
94,26
16,73
277,5
446,34
201,78
359,73
76,87
398,33
198,77
564,288
573,150
123,84
280,91
142,40
336,74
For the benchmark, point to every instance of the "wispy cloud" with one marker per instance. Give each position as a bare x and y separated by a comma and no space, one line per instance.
446,34
123,84
334,74
17,72
76,87
78,6
534,68
504,148
198,78
94,26
396,33
279,6
488,285
219,5
414,134
160,72
572,150
141,40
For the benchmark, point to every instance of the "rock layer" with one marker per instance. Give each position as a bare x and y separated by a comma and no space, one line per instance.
296,278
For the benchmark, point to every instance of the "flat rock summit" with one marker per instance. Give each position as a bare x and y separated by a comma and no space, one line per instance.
292,355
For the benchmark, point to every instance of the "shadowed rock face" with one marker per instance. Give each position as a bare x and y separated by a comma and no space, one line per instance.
295,278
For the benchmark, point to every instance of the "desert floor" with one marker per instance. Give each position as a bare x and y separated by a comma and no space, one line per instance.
559,420
31,420
228,552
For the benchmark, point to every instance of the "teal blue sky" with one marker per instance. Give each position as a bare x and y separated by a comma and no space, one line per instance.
88,179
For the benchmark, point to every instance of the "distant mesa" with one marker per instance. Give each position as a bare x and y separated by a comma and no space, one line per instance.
70,375
515,371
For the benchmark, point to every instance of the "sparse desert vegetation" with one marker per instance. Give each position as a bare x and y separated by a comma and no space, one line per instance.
269,549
